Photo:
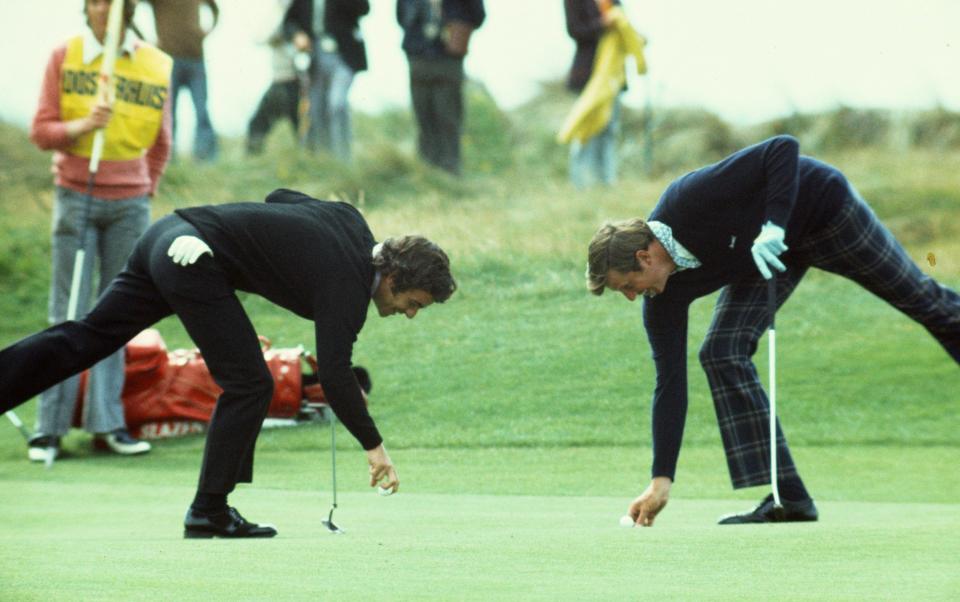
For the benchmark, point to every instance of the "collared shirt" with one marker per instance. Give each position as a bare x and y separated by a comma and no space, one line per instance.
92,48
680,255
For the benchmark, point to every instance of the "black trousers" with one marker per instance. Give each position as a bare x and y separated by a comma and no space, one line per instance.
150,288
278,102
436,88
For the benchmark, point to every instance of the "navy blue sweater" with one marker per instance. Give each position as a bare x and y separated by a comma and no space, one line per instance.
716,212
313,258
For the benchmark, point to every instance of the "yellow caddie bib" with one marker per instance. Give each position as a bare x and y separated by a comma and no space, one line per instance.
141,86
591,112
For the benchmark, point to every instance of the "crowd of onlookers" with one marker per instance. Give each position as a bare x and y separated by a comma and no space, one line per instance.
317,48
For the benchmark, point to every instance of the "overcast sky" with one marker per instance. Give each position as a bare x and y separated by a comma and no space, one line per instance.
747,60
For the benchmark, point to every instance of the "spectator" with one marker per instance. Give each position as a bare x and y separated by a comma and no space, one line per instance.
135,152
436,35
287,90
598,76
180,35
330,31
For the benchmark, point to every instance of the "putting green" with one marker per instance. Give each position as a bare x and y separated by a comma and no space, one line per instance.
85,541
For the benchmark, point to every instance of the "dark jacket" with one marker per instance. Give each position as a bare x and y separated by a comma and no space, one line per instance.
313,258
585,27
716,212
422,28
341,22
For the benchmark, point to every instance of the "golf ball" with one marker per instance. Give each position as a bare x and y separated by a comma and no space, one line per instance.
627,521
384,491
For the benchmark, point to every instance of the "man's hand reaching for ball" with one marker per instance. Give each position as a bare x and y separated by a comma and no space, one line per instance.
382,471
645,508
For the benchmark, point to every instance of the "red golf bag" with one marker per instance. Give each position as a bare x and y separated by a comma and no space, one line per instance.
168,394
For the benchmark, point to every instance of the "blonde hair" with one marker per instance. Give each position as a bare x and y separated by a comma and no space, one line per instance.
614,247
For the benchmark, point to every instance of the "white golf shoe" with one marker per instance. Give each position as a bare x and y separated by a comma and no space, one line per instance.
120,442
43,448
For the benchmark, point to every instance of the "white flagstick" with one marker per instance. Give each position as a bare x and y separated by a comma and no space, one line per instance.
772,363
105,89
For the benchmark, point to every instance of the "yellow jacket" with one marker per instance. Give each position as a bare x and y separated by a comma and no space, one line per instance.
591,112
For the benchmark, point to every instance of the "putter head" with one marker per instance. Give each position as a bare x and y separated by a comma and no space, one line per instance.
779,514
330,526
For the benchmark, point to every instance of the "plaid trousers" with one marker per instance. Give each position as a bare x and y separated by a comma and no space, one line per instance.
854,245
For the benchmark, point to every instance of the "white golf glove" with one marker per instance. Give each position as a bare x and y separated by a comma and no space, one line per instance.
767,247
186,250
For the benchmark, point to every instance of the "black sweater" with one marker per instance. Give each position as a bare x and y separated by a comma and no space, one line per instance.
585,26
716,212
313,258
341,20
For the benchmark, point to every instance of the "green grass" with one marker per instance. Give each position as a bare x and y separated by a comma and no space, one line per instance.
523,524
518,412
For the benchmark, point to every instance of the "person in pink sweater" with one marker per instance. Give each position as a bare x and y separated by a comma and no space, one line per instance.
137,140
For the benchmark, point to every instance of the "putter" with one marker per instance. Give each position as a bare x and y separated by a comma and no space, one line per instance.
772,363
333,454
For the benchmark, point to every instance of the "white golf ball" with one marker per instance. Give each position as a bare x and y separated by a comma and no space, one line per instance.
627,521
384,491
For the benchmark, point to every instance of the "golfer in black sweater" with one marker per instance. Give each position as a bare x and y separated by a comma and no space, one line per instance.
724,227
314,258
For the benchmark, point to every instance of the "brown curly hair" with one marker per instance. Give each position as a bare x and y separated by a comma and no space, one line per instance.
416,263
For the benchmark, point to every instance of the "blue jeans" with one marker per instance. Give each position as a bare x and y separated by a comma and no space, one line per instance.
192,75
113,228
595,160
330,80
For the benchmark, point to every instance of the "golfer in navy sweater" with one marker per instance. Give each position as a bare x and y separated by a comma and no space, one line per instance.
726,227
314,258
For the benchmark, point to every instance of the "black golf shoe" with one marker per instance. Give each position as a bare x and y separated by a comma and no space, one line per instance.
766,512
226,523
